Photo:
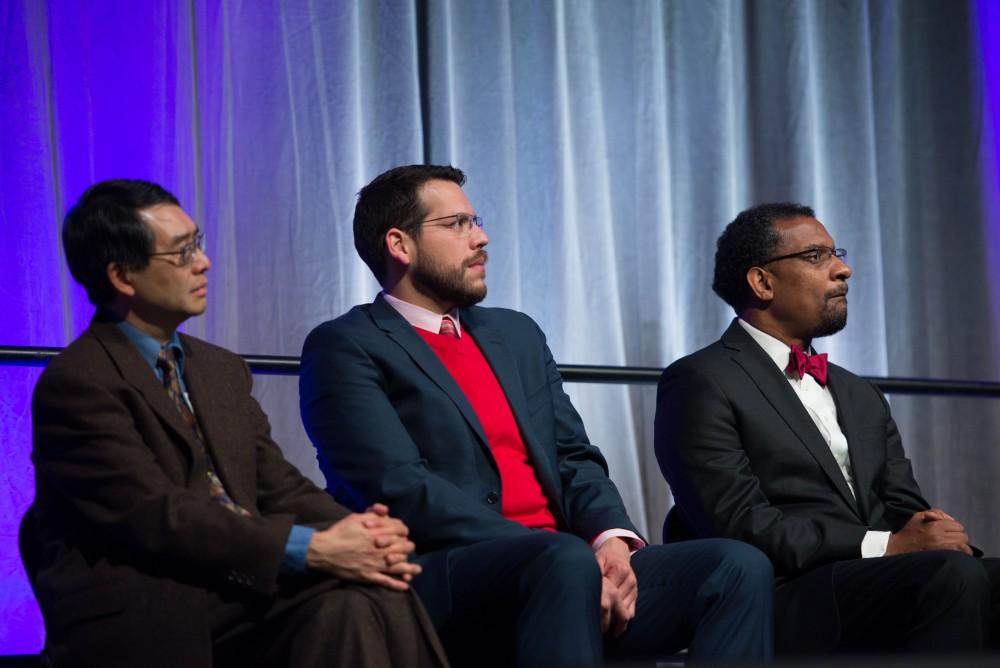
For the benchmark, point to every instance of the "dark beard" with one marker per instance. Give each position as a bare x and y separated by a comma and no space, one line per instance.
832,320
448,285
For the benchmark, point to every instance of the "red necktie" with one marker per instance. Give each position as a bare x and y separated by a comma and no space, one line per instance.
448,328
800,364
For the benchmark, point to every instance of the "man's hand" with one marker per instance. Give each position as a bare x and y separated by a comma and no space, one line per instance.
619,588
931,529
365,547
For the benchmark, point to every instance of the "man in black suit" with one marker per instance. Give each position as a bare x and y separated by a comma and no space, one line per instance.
762,442
167,528
455,415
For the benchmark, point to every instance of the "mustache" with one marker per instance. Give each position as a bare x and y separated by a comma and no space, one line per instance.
480,255
841,292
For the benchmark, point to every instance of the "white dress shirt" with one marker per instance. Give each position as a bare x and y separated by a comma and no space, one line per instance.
818,402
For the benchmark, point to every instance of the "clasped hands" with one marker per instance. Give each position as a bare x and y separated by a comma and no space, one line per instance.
619,587
365,547
931,529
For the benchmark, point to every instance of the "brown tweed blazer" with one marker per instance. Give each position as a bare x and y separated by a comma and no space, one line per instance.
124,548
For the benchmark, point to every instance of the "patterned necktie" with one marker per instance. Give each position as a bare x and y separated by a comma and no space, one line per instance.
167,363
800,364
448,328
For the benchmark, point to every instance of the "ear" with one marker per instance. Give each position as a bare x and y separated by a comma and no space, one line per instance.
400,246
761,283
121,279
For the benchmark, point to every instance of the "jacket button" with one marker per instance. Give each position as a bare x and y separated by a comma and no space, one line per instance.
492,497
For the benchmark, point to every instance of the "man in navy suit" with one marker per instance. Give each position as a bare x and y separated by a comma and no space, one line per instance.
762,442
455,416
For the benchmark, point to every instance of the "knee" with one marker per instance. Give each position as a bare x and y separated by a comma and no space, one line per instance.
567,557
747,571
746,561
956,574
343,607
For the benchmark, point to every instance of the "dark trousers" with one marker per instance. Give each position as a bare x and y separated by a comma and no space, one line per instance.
924,602
535,601
326,623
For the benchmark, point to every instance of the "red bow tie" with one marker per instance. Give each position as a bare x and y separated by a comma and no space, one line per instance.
800,364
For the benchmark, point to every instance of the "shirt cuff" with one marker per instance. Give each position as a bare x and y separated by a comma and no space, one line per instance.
630,537
295,550
874,544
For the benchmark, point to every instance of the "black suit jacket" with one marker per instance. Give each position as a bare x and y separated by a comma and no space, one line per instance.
392,425
122,544
744,460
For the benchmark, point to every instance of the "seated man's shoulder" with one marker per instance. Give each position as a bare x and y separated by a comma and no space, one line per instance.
203,352
356,322
505,319
85,359
710,360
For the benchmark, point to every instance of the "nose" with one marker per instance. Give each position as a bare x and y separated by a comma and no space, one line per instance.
841,270
201,261
478,238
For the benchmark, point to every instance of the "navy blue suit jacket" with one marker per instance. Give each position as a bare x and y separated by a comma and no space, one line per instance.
392,425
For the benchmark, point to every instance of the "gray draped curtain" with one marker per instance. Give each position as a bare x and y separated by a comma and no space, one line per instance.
606,144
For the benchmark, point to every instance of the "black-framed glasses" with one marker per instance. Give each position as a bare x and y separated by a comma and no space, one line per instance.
817,255
185,254
460,222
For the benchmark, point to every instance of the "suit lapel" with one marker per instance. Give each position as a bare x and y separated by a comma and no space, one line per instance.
774,386
401,332
845,417
215,415
137,373
504,367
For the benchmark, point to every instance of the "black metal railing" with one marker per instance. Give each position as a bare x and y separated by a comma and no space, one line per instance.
275,365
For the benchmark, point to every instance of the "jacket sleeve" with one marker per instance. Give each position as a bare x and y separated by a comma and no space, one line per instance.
280,486
591,501
896,487
699,449
362,440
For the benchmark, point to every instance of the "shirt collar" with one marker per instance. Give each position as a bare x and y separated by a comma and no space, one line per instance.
420,317
775,349
149,347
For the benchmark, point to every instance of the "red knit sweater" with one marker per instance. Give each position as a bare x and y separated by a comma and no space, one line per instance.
523,498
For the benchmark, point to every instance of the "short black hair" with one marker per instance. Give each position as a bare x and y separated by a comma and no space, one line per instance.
104,226
392,199
748,242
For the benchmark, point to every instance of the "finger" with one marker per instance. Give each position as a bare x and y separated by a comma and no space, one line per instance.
385,580
630,586
394,543
395,557
388,526
402,568
400,546
618,627
629,600
940,513
379,509
620,617
609,599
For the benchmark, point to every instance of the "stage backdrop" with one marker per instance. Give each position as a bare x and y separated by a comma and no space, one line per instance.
606,144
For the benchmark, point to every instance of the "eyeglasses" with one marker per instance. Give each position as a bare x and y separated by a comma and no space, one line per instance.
186,252
818,255
460,222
